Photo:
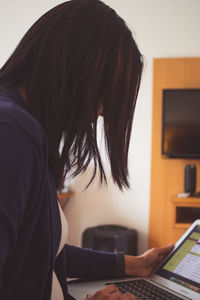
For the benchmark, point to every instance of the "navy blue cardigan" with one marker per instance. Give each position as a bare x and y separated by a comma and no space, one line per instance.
30,226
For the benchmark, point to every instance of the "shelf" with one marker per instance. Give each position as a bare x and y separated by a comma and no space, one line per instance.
185,201
184,226
62,197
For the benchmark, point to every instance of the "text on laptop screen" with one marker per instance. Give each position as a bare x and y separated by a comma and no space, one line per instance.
183,265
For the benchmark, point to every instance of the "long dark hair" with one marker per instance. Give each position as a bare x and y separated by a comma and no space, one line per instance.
77,58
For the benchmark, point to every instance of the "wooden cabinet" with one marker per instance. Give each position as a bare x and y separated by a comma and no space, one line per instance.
169,215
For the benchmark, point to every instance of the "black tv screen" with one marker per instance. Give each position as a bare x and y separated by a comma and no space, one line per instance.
181,123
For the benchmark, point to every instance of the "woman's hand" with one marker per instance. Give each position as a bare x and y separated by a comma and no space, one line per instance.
146,263
140,266
111,292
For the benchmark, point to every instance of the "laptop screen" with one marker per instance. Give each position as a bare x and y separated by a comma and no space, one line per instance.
183,265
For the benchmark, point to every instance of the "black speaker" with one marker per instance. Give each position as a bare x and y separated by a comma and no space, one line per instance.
110,238
190,179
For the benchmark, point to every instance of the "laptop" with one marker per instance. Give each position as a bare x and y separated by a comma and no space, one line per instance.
178,276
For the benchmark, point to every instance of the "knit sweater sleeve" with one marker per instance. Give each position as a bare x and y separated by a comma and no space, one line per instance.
91,264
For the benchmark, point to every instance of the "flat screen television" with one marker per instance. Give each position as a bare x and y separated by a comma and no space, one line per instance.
181,123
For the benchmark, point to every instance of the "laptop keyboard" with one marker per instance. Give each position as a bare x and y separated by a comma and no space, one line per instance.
144,290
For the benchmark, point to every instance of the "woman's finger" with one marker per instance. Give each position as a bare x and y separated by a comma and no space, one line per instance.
109,292
110,289
128,296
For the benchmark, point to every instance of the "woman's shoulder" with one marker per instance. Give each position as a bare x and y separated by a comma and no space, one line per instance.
13,114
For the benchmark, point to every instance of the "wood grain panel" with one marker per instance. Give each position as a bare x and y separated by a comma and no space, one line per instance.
167,175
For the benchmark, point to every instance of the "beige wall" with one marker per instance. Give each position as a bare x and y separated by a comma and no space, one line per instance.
162,29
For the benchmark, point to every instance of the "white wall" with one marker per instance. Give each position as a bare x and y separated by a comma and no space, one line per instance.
162,29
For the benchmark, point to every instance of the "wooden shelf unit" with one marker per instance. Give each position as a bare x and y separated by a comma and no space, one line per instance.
167,175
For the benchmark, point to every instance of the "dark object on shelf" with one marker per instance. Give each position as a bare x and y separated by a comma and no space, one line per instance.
196,195
190,179
111,238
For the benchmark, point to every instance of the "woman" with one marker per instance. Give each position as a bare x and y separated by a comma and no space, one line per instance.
77,61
